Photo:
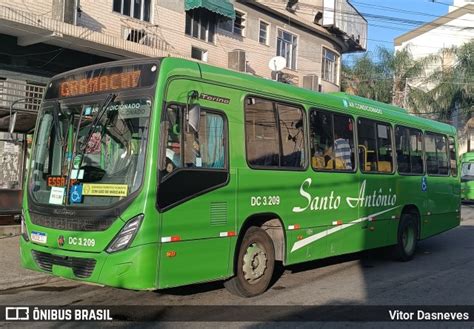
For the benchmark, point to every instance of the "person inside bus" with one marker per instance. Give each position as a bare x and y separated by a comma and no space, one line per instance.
342,150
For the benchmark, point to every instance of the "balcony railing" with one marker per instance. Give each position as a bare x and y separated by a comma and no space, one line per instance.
28,95
151,45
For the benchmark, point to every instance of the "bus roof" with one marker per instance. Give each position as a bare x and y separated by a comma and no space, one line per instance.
468,156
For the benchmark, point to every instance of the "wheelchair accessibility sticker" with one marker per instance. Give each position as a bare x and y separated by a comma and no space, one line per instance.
75,194
424,184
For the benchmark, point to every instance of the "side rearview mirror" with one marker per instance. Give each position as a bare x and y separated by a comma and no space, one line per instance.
194,116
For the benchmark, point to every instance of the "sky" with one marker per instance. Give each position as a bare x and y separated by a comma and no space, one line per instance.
398,17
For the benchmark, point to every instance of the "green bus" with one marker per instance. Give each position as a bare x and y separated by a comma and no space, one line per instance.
157,173
467,176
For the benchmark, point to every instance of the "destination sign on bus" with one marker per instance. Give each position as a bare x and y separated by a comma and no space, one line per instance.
108,79
99,84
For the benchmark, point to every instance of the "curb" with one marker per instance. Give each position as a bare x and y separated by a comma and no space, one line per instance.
7,231
28,282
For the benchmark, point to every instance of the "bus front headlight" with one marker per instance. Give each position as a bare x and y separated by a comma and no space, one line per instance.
126,235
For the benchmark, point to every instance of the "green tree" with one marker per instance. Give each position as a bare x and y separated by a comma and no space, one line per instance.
448,88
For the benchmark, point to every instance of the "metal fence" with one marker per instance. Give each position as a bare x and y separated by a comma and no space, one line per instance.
30,95
144,42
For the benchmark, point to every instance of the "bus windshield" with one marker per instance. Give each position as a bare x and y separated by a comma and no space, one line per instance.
467,171
89,154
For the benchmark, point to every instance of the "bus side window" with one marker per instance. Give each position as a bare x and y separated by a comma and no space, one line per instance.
375,146
261,133
203,149
409,146
453,157
274,134
332,139
292,136
436,154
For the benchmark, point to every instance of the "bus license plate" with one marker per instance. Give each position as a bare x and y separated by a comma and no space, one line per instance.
39,237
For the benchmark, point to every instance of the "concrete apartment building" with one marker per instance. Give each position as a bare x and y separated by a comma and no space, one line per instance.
450,30
40,38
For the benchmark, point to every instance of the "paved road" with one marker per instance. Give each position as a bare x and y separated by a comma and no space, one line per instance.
441,274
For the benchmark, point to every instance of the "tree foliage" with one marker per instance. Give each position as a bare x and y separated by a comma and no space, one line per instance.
437,85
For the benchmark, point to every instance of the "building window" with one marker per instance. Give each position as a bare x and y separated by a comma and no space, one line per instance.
236,26
139,9
330,66
264,32
200,24
286,47
199,54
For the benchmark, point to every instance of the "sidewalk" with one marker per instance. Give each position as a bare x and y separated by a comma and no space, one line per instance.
12,275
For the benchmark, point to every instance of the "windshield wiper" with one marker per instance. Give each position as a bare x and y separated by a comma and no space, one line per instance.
100,114
82,147
56,122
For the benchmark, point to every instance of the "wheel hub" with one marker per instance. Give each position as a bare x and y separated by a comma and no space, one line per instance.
255,263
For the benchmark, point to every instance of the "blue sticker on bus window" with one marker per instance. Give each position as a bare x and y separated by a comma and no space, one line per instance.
424,184
75,194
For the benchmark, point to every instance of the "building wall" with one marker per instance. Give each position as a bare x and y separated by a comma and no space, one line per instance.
441,37
453,34
168,24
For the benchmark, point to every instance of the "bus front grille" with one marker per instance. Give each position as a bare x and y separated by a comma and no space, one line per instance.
81,267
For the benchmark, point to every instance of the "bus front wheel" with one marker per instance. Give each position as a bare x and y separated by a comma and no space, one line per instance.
407,238
255,264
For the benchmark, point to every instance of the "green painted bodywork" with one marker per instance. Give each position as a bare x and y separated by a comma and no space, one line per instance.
202,254
467,188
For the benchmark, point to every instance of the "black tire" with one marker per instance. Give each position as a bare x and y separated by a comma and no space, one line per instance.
254,266
407,238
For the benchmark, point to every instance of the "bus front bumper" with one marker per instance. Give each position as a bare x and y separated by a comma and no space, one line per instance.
134,268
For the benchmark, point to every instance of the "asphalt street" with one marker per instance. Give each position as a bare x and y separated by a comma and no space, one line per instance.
442,273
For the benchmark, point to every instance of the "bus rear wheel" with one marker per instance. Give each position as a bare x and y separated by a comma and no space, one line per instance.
255,264
407,238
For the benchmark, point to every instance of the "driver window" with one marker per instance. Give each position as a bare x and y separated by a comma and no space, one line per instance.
187,148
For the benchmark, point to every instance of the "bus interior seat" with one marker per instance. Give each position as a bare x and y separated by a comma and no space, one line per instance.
336,163
318,162
384,166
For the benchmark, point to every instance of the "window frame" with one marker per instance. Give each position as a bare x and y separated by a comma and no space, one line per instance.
268,29
448,156
455,156
295,54
132,9
422,149
392,137
354,138
220,25
278,128
162,153
205,54
211,20
243,26
337,65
